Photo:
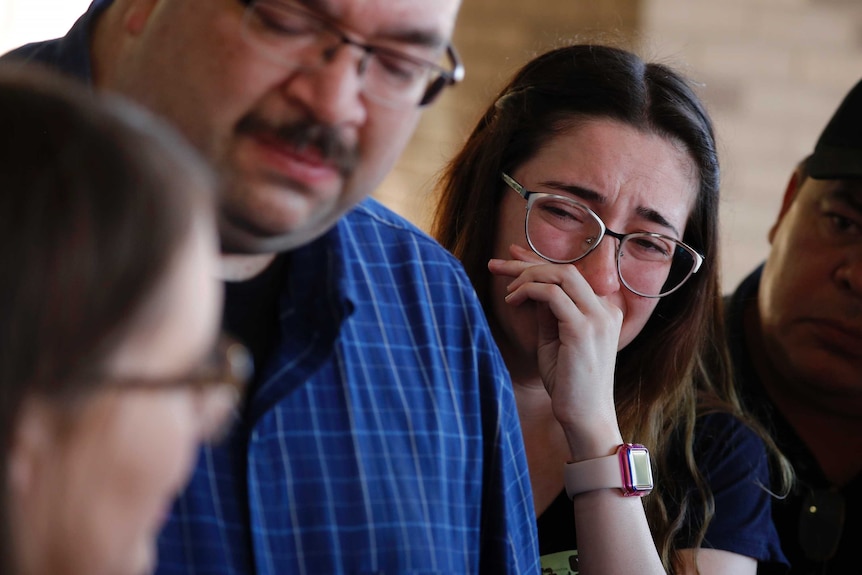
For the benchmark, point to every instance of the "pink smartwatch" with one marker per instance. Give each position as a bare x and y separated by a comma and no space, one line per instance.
629,470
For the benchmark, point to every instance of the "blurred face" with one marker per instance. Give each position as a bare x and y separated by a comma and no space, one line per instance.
635,182
92,482
811,292
298,146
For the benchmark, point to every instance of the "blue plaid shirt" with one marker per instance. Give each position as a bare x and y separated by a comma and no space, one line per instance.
382,437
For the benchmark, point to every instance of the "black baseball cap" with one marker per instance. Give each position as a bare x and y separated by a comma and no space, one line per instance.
838,153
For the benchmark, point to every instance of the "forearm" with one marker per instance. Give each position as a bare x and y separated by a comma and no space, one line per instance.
613,535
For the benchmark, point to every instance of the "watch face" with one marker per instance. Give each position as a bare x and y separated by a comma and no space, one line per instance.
639,470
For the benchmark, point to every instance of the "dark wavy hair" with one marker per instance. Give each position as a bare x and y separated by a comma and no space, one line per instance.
96,197
660,389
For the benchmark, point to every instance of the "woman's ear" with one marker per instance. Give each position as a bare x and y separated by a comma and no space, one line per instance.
32,441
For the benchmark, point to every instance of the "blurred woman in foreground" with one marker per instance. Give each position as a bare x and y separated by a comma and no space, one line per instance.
111,367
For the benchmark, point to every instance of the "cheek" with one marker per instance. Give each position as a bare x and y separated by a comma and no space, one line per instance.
792,281
155,439
124,469
381,140
636,313
205,91
510,227
517,325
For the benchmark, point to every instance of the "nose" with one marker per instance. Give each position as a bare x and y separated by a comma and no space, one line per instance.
331,93
849,274
599,267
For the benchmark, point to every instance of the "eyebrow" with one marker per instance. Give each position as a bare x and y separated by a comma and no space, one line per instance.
415,36
850,194
593,196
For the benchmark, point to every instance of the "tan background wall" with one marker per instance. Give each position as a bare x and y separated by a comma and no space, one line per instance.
771,72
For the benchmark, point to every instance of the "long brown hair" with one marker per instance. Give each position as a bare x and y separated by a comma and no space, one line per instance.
660,389
95,199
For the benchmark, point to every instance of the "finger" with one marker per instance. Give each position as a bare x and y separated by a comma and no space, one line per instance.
547,325
564,275
560,320
508,268
523,254
563,308
522,258
566,305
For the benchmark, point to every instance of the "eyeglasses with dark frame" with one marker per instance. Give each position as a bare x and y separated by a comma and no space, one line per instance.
222,376
290,34
562,230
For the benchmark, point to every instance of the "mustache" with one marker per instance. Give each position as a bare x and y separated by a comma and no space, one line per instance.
306,134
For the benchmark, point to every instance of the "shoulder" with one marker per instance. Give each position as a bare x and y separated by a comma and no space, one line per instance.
69,54
371,213
53,55
734,462
386,259
735,466
41,52
375,232
722,440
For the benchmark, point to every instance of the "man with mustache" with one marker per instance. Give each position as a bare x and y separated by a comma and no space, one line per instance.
795,331
380,434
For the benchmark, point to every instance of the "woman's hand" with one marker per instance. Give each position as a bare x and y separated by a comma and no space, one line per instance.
578,335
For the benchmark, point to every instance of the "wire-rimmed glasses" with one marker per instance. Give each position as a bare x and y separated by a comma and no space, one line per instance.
290,34
562,230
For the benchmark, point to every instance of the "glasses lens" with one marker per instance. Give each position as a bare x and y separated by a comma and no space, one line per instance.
653,265
560,230
394,78
281,32
296,38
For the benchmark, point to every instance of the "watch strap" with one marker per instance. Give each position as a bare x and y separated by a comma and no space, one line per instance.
592,474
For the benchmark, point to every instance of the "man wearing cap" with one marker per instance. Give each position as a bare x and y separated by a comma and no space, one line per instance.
795,332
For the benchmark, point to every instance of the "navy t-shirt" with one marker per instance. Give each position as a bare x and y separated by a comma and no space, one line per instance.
733,461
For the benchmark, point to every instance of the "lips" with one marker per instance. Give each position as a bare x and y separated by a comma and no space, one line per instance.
305,166
305,152
840,336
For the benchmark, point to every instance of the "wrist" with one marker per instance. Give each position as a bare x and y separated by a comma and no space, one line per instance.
628,469
598,439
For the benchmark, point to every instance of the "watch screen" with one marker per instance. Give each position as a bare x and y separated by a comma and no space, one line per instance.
640,469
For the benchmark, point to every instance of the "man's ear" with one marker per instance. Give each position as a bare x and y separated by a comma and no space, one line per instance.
790,193
137,14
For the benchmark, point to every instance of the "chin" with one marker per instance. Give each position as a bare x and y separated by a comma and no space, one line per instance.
145,558
252,232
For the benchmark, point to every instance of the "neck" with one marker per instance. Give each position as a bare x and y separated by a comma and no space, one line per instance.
239,267
106,44
544,441
830,433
